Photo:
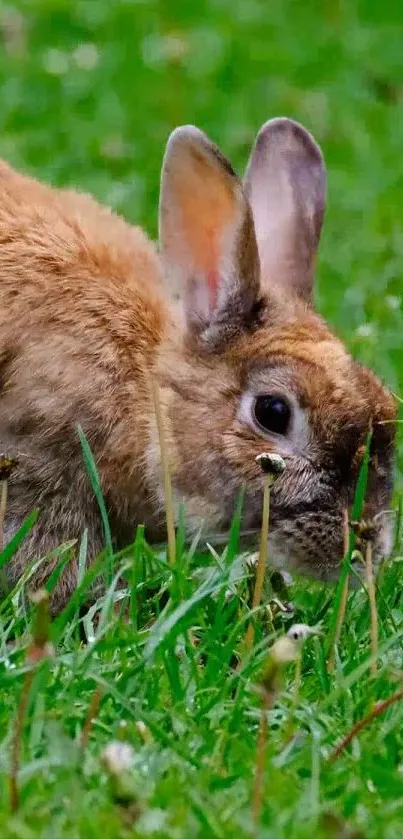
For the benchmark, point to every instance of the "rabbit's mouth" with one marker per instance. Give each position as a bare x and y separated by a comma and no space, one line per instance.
311,543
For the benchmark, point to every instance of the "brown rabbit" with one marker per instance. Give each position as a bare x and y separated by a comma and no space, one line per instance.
243,363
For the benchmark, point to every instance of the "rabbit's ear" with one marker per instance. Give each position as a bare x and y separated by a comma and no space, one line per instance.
206,234
285,183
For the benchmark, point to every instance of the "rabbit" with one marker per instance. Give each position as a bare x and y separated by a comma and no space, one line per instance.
221,316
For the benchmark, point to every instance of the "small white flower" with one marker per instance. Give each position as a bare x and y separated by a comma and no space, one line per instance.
365,330
299,632
283,650
152,821
159,49
393,302
118,757
86,56
271,465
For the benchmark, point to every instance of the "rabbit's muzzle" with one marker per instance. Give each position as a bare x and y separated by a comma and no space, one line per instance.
311,540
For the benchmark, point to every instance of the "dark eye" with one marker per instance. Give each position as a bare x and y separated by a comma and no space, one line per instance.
273,414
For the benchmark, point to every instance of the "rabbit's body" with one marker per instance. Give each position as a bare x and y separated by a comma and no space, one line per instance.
85,320
82,314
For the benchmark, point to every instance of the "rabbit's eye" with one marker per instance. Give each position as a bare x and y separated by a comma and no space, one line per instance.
272,413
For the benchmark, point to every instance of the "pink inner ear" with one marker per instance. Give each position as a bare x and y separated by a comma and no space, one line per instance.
208,207
213,282
204,241
212,268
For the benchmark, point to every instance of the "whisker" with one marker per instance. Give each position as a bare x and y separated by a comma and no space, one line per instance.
385,513
221,537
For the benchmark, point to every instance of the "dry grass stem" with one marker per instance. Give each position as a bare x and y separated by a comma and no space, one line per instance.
91,714
280,654
39,649
17,740
7,465
372,605
3,506
343,599
261,749
261,565
295,698
378,709
170,519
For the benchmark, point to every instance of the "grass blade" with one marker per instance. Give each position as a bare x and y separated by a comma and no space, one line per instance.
358,504
93,475
164,629
12,546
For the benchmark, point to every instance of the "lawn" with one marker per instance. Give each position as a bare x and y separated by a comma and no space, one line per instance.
90,90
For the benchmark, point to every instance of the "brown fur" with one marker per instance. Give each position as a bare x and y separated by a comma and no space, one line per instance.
85,320
80,321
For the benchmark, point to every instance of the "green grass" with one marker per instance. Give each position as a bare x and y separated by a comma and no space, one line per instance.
90,90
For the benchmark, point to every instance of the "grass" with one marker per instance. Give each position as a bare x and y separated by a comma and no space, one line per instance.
89,93
166,684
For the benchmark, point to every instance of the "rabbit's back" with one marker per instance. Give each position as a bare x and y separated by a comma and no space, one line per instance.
59,244
81,317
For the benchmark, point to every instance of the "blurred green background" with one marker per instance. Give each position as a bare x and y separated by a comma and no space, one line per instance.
90,90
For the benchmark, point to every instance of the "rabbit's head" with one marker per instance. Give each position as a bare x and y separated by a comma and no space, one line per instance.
252,367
